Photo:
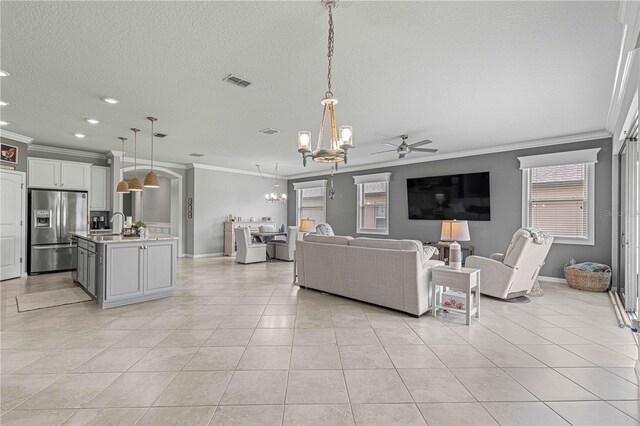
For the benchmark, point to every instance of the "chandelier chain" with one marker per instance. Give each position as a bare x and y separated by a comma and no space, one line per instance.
329,94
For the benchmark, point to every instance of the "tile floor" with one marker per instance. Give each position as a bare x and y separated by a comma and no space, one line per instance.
241,345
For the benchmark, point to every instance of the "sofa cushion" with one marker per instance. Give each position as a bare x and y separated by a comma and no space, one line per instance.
387,244
324,239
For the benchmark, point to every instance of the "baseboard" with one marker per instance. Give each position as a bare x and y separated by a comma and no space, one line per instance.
553,279
198,256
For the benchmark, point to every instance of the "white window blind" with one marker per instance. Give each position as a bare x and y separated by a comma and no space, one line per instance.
373,204
558,200
312,204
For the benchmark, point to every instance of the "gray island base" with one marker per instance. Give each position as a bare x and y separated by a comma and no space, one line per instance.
119,270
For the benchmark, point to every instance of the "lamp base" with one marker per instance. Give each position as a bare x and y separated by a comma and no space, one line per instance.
455,256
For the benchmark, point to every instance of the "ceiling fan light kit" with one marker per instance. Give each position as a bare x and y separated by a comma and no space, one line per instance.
340,139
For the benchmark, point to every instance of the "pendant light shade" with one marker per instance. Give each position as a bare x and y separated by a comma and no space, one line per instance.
151,179
123,186
134,183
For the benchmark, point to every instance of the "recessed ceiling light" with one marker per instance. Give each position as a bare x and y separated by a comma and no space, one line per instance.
79,135
92,121
3,123
3,103
110,100
4,73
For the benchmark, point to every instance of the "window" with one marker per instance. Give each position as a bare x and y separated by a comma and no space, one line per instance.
373,203
558,195
311,201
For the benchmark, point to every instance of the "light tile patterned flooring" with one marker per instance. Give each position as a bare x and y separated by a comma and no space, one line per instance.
241,345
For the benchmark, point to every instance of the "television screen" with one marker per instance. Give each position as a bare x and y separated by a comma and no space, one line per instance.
461,197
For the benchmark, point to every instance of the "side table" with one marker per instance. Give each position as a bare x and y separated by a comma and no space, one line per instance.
465,280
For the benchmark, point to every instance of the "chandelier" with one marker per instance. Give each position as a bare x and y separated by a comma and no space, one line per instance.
276,196
340,140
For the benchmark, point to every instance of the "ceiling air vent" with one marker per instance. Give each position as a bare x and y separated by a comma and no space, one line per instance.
270,131
195,154
234,79
160,135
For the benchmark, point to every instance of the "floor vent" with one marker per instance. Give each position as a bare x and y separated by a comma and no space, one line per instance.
234,79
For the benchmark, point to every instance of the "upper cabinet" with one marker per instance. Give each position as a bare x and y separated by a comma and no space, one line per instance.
55,174
99,193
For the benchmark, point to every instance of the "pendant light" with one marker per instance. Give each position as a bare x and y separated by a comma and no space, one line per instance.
340,139
123,186
151,179
134,183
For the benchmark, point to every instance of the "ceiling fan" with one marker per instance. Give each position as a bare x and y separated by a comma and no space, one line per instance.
404,148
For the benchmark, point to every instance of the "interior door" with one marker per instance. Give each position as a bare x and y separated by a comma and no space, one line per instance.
11,222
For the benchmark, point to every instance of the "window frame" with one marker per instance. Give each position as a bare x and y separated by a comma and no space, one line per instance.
359,181
299,186
589,157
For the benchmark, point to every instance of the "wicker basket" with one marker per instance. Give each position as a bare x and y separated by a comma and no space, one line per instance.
587,280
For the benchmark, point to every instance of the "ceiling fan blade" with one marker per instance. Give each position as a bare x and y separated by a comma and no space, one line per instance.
401,155
424,142
424,150
381,152
390,144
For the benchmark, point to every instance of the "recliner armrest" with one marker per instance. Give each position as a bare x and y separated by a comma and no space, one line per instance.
497,256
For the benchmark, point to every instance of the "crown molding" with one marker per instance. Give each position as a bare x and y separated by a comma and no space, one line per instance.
144,161
66,151
230,170
15,137
582,137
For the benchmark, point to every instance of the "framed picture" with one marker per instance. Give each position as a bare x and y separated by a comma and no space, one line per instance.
8,153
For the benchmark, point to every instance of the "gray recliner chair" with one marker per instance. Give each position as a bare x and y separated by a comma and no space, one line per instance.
511,275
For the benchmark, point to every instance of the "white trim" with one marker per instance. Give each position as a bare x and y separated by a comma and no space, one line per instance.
200,256
144,161
591,209
560,158
15,137
229,170
66,151
582,137
377,177
322,183
552,279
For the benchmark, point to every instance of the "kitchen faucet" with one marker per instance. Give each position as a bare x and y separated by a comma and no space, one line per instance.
113,216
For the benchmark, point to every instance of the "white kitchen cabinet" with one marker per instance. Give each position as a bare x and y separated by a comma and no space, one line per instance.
56,174
99,193
44,173
159,267
75,176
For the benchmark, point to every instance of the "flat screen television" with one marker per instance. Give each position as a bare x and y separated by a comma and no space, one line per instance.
461,197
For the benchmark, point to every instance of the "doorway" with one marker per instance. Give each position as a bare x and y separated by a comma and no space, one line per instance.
12,229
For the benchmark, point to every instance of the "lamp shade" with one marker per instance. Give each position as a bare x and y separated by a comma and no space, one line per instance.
307,225
455,230
135,184
151,180
123,187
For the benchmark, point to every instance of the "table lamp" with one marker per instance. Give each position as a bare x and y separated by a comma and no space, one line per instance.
454,230
307,225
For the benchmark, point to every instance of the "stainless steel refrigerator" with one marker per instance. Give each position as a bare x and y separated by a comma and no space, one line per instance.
53,215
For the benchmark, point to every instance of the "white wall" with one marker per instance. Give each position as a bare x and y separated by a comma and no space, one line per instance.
217,194
156,203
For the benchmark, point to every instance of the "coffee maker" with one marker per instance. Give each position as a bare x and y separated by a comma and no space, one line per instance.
98,222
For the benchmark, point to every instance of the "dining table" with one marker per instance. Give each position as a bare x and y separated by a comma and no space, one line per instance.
265,237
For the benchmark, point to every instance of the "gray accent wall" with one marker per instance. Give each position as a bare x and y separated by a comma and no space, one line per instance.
156,203
506,203
217,194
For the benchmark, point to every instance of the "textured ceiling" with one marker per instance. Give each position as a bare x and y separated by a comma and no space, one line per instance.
465,74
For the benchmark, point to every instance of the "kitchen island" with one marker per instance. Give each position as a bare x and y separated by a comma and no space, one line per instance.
119,270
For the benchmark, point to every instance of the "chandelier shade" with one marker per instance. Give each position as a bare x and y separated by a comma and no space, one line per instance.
277,196
340,140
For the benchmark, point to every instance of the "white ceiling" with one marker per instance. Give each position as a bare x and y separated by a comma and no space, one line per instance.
467,75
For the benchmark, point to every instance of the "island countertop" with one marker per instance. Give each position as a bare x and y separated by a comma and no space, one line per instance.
106,239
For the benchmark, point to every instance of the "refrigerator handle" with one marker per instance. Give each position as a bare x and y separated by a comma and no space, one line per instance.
63,218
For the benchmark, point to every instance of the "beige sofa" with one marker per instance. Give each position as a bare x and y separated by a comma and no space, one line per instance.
389,273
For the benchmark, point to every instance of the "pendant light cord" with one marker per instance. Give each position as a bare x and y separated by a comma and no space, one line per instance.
152,144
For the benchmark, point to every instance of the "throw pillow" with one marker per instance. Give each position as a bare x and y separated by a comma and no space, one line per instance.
429,252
